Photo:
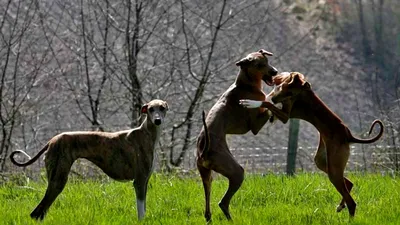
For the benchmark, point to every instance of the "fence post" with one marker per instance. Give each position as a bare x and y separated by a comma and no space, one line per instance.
294,125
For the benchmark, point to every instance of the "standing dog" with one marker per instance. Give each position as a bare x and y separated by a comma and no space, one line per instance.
124,155
228,117
299,101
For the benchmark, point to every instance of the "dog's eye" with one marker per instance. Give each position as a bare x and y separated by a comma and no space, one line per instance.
162,108
260,65
151,110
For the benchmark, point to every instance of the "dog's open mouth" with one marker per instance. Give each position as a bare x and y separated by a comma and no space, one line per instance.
268,80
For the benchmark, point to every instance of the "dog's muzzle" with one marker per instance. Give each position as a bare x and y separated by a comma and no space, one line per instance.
157,122
273,71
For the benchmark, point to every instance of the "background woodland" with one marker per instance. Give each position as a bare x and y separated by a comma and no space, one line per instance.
90,65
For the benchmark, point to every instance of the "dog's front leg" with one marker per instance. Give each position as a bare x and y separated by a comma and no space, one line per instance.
279,113
259,122
140,186
282,115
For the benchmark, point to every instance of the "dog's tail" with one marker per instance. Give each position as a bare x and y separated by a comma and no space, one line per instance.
30,161
371,140
207,136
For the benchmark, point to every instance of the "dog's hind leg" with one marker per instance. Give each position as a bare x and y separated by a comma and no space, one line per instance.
336,165
57,178
235,174
320,158
207,180
321,162
342,204
340,185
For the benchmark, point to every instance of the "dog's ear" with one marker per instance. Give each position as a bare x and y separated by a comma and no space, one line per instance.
166,106
297,78
144,109
245,61
307,85
262,51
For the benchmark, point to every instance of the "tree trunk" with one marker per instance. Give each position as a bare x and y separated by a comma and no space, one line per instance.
133,51
365,41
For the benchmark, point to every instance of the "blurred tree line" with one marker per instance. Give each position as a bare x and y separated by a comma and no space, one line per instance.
370,30
90,65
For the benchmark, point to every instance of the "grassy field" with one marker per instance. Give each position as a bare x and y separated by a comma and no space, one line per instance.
271,199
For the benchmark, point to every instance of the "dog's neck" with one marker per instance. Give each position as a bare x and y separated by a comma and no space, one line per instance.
245,79
312,109
152,129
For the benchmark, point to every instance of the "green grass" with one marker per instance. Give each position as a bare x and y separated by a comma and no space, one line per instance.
271,199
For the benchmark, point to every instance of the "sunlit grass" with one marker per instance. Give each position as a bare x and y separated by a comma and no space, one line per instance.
269,199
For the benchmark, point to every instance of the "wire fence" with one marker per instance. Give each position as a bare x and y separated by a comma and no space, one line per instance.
372,159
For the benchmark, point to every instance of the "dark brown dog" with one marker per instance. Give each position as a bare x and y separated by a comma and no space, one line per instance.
299,101
124,155
228,117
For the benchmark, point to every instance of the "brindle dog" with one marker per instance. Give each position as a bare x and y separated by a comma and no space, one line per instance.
124,155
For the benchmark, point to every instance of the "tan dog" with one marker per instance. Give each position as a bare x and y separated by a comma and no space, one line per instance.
228,117
124,155
299,101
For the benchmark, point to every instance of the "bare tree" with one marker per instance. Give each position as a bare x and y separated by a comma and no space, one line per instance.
202,81
20,67
142,21
86,64
204,32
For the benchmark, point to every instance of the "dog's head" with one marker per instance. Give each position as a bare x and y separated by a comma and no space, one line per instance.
256,64
155,110
289,86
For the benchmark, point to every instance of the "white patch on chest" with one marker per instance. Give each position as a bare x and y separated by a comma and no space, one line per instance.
158,134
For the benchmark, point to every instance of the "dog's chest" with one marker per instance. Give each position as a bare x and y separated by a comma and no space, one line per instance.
144,157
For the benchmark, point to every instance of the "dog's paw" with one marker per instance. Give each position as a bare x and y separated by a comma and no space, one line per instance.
250,103
339,208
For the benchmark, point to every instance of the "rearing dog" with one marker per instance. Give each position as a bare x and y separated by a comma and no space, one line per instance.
299,101
124,155
228,117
